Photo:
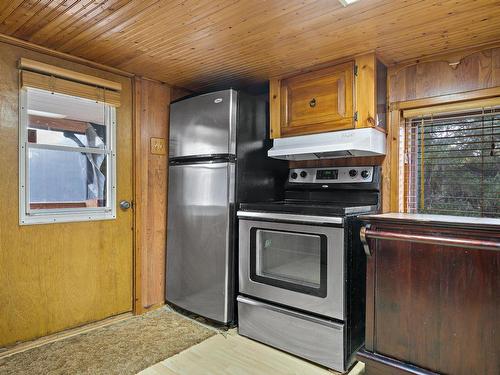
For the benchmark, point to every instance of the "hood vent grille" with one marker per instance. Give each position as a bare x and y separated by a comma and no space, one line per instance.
333,154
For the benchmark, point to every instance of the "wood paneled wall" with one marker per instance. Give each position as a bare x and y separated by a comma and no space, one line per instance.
152,101
179,93
58,276
444,75
428,82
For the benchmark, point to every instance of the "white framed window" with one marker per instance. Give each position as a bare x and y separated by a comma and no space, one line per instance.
67,159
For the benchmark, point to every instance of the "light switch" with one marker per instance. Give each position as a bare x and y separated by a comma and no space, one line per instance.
158,146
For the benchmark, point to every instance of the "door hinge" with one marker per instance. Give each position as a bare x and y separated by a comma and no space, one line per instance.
355,70
356,116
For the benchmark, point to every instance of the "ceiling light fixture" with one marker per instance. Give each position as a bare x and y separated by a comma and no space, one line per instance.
34,112
347,2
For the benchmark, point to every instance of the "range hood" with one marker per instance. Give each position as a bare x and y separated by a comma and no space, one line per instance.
339,144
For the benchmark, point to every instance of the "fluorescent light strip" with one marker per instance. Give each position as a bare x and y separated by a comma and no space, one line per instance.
347,2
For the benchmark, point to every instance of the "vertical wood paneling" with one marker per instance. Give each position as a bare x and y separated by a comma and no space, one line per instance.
179,93
152,105
275,108
495,76
390,192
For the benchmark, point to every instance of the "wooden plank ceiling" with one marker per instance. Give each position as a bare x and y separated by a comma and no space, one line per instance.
200,44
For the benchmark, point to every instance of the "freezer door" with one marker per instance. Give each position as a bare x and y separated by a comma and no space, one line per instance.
199,243
203,125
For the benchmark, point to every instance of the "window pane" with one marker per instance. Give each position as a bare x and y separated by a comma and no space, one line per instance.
65,179
454,165
92,136
63,120
290,257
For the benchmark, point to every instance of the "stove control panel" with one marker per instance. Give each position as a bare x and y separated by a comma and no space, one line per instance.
333,175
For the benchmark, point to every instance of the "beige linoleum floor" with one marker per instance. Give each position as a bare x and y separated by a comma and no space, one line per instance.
231,354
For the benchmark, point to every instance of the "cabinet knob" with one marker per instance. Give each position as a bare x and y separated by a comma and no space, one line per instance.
312,103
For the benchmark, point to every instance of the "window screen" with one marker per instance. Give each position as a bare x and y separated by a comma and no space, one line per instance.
452,163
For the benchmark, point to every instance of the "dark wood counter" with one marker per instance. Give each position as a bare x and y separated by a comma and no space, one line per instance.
433,295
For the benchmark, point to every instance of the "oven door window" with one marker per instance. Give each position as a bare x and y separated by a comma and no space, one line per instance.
289,260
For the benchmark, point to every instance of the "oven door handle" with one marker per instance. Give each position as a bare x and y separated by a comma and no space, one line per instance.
290,217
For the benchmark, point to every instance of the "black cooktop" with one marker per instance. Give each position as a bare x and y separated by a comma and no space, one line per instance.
309,208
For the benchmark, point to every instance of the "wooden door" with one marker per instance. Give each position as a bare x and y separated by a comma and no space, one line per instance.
319,101
58,276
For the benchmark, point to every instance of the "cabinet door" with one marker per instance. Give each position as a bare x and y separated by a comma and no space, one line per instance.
434,305
318,102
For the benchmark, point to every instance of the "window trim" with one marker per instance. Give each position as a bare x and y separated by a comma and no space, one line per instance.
64,215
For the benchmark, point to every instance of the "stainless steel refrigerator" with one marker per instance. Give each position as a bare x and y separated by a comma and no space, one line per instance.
217,158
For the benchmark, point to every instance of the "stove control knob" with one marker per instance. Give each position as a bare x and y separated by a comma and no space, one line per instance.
365,174
303,174
294,175
353,173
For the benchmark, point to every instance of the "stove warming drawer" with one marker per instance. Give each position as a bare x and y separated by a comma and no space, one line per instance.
318,340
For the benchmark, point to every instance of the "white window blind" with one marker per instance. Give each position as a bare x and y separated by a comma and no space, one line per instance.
452,163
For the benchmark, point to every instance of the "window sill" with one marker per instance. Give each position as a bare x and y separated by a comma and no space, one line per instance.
65,218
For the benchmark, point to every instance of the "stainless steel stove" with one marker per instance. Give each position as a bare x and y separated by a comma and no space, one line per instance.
302,266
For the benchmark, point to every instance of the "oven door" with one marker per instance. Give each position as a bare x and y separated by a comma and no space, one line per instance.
293,263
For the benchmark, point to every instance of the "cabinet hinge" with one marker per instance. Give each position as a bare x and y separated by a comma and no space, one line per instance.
355,70
356,116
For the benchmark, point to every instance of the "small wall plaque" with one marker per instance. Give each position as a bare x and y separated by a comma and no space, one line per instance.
158,146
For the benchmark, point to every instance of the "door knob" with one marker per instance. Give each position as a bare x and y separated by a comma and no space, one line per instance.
125,205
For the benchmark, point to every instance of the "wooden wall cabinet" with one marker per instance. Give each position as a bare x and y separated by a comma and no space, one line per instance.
318,101
433,297
343,96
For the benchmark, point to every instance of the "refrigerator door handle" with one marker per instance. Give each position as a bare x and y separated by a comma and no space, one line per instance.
203,159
